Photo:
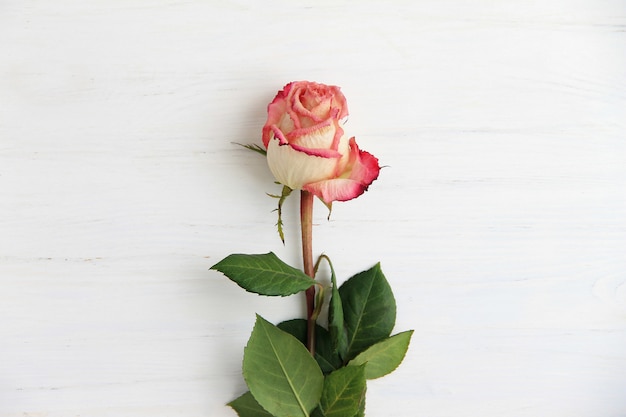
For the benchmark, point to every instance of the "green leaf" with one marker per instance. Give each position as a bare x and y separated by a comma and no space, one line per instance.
247,406
338,335
344,392
280,373
263,274
361,412
324,355
383,357
329,206
369,309
317,413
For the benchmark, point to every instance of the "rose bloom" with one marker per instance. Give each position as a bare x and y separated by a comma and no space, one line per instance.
307,148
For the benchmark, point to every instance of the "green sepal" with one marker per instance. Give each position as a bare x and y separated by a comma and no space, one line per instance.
369,310
286,191
383,357
247,406
280,372
329,206
344,392
263,274
254,147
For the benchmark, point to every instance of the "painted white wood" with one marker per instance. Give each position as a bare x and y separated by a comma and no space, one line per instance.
500,221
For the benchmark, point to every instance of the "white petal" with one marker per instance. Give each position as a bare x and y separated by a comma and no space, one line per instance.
294,169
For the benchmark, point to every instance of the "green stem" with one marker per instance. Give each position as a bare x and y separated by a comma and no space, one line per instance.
306,222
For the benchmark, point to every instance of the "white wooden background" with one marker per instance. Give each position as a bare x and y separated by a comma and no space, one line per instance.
500,220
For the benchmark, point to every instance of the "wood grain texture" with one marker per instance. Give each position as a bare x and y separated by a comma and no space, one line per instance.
500,219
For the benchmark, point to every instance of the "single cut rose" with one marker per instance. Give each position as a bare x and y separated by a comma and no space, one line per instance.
306,146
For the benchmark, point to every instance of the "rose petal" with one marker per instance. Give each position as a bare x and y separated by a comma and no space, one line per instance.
317,114
321,152
338,189
275,112
361,170
294,168
365,168
302,104
278,134
326,135
314,136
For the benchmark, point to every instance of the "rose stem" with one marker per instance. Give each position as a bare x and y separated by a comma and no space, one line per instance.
306,222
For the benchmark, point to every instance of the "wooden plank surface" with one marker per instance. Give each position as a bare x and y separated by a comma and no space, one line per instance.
500,219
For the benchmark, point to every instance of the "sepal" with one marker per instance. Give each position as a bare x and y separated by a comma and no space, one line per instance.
253,147
286,191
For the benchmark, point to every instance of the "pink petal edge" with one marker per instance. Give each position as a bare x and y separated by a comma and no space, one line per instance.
362,170
322,153
365,168
338,189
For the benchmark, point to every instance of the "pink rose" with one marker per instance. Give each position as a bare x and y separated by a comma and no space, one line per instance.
306,147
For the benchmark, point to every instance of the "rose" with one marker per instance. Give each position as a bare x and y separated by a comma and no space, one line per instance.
306,147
